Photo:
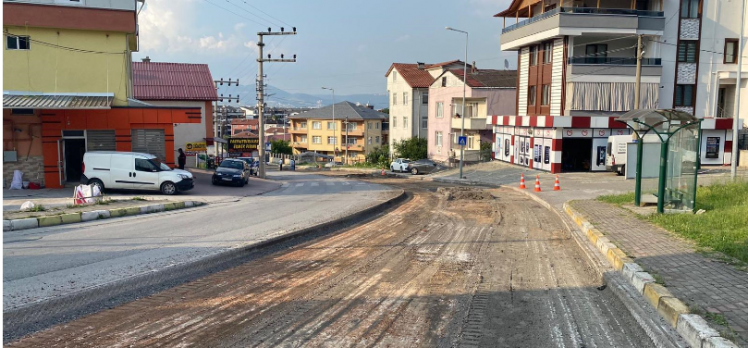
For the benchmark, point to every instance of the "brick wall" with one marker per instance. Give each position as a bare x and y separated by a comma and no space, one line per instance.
33,169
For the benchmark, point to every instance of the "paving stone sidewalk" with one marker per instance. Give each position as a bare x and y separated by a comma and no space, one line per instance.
699,281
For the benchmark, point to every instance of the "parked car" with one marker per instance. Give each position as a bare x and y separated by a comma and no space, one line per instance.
423,166
333,164
133,171
232,171
254,164
400,164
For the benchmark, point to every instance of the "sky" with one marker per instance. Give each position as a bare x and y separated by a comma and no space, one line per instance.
346,45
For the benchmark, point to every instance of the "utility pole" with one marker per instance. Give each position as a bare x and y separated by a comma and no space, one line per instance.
736,116
464,86
638,86
261,88
640,139
217,123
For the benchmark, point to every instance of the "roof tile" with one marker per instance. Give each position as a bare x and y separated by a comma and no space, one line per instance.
172,81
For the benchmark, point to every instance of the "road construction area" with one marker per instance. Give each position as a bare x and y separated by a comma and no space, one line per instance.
449,267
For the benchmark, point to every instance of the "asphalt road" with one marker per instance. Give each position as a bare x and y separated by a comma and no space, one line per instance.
468,269
48,263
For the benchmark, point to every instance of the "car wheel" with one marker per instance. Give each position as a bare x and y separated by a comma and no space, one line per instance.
168,188
392,169
414,171
97,183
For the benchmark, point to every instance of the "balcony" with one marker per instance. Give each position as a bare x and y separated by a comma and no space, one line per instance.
301,144
297,130
620,66
358,132
471,123
575,21
355,147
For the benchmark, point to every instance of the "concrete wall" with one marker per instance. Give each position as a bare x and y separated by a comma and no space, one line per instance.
187,132
397,85
44,68
27,143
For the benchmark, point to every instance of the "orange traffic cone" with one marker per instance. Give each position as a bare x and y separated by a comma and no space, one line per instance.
522,182
556,186
383,172
537,183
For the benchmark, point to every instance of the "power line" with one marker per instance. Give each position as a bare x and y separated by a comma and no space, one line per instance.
234,13
248,4
245,10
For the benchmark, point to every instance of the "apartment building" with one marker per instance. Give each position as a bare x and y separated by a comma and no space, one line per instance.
487,92
353,127
577,68
408,88
67,89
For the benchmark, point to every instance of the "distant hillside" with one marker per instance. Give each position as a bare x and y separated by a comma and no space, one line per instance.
280,97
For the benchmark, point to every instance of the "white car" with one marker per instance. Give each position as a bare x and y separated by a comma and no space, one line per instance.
133,171
400,164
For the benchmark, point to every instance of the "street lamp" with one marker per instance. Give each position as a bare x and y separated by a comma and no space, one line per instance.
464,86
335,126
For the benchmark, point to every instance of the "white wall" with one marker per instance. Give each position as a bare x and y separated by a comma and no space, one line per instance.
524,75
396,84
185,132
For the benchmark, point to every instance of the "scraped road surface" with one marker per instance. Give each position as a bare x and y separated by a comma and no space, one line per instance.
472,271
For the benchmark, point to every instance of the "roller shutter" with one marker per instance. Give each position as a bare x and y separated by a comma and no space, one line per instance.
100,140
149,141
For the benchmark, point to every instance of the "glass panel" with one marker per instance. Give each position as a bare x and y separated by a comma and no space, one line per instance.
730,52
694,8
23,42
688,95
678,95
12,43
691,52
682,47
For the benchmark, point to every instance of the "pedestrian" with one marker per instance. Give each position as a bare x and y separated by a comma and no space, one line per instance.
293,164
182,159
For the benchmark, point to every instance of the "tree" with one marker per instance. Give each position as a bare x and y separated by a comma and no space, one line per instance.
413,148
485,151
379,156
280,147
386,111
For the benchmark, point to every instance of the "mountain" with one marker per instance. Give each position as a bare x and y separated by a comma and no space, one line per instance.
279,97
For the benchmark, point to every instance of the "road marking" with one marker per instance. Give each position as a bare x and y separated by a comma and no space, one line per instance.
330,183
300,184
346,183
361,183
315,184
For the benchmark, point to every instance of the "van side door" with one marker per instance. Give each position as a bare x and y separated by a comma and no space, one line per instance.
120,172
145,176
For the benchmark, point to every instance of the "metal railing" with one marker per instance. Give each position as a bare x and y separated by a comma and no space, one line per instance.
584,10
614,61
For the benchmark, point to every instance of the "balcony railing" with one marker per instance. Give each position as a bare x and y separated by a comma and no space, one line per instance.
584,10
614,61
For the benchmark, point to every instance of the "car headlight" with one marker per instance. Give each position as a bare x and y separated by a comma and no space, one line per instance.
184,176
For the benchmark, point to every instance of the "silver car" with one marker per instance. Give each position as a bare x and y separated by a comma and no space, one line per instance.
423,166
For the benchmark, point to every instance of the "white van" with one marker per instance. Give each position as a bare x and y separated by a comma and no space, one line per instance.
134,171
615,160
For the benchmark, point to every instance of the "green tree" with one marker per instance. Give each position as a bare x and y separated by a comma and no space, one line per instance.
413,148
379,156
280,147
485,151
386,111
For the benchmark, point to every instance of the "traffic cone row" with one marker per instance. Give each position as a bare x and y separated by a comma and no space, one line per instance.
556,185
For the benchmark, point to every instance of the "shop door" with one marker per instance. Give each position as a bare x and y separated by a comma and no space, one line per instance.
73,154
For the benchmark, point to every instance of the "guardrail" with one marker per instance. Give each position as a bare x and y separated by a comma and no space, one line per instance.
614,61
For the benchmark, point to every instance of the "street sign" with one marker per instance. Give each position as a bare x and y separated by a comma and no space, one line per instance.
242,144
268,146
462,141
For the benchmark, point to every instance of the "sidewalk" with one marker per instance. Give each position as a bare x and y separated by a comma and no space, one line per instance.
711,288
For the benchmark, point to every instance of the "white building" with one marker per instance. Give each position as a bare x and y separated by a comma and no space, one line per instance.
577,67
408,87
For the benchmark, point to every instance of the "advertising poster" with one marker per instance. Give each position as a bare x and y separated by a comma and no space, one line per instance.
712,147
547,155
239,145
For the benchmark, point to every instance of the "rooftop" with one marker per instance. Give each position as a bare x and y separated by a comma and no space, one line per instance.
488,78
342,110
172,81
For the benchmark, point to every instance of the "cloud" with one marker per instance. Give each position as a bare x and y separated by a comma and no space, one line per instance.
403,38
239,26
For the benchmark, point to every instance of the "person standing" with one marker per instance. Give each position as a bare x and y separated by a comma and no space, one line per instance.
182,159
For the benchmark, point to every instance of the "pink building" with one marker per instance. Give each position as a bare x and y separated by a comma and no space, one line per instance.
488,92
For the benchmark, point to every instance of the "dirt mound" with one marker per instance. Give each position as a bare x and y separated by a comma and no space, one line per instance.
469,193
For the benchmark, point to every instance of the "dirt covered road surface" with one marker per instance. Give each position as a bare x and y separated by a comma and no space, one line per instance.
450,267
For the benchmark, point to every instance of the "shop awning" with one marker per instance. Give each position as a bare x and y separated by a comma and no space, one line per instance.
37,100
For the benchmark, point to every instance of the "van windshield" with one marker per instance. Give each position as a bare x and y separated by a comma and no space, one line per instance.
160,165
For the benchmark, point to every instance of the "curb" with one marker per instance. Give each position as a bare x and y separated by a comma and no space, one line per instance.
461,182
71,218
37,316
693,328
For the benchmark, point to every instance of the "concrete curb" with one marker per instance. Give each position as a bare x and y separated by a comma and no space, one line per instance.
71,218
693,328
41,315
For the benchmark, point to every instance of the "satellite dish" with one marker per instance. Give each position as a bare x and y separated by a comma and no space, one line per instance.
506,64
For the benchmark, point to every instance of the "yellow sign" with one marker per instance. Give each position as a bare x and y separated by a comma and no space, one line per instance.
243,144
199,146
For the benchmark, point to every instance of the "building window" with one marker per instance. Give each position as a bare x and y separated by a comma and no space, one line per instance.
317,140
683,95
303,125
351,141
376,140
394,76
595,54
731,51
330,125
471,109
18,42
470,142
316,125
689,9
25,112
369,140
440,110
394,121
532,92
332,140
302,139
425,122
533,55
405,98
546,98
376,125
351,126
438,139
687,51
405,122
547,52
369,125
444,81
424,98
394,98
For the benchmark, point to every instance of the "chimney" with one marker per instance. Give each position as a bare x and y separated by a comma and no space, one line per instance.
421,65
147,59
473,68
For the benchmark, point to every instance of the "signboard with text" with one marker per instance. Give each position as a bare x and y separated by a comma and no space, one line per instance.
243,144
195,147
